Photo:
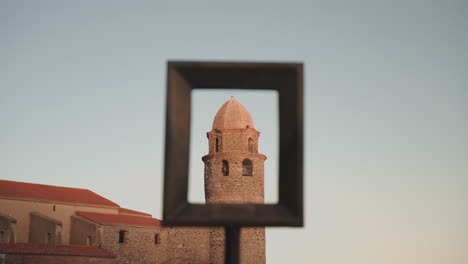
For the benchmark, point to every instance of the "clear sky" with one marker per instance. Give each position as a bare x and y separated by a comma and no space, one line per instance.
82,94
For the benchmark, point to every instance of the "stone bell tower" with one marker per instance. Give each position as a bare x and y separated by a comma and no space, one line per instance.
234,174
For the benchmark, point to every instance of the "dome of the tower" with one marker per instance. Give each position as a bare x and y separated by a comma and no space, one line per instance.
233,115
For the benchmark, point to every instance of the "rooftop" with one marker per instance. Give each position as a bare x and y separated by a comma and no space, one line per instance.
49,193
126,211
120,219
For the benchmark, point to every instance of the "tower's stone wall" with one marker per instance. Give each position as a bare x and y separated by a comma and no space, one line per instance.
233,140
234,173
252,245
233,188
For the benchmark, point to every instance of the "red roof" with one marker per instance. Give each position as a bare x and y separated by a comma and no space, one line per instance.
132,212
119,219
51,193
63,250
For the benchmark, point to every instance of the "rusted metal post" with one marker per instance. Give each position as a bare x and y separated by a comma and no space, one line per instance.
231,255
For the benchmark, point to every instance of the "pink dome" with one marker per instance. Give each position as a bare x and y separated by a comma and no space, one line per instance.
233,115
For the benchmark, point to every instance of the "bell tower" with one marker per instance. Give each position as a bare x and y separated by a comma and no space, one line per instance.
234,173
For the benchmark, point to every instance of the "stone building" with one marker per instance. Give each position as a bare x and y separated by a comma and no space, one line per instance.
234,173
40,223
25,253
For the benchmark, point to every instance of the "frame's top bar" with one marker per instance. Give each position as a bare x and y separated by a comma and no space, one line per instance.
237,75
230,64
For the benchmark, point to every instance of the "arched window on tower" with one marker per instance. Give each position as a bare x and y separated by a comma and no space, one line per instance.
225,168
251,145
247,167
217,144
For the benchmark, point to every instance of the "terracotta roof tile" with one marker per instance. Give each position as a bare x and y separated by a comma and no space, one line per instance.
51,193
119,219
63,250
132,212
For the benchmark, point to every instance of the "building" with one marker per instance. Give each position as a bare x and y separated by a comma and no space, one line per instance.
39,222
234,173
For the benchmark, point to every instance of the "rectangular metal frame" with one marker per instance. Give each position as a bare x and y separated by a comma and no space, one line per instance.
287,79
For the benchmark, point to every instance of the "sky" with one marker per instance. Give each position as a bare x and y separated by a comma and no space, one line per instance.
82,104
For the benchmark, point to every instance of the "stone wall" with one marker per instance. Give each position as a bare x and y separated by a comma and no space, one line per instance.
85,232
7,229
252,245
44,230
217,245
235,146
20,210
232,140
175,245
187,245
54,259
234,188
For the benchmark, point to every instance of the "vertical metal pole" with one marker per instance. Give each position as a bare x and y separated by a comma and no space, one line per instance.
231,255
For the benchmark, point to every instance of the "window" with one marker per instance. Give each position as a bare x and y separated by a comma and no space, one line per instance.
225,168
251,145
89,241
156,239
53,208
2,236
122,236
48,239
217,144
247,167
